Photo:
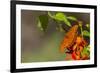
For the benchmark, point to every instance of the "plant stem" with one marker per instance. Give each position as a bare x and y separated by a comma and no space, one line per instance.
80,25
50,15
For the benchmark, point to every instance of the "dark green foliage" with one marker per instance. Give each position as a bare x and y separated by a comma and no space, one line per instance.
43,22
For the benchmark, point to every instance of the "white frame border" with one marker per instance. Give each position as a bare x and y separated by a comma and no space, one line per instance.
20,65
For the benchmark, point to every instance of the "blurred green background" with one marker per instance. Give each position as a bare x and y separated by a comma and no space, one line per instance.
37,46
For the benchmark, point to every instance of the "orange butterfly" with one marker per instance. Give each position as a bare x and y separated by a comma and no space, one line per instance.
69,38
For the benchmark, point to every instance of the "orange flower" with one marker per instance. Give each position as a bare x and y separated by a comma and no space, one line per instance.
75,56
78,47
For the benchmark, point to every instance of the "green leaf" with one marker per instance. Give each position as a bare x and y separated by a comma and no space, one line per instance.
43,22
86,33
86,51
62,17
87,25
67,22
72,18
39,25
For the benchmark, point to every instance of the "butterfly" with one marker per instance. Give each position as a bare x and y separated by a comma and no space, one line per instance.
69,38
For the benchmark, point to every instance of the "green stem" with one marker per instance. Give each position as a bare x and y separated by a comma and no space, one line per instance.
80,25
50,15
